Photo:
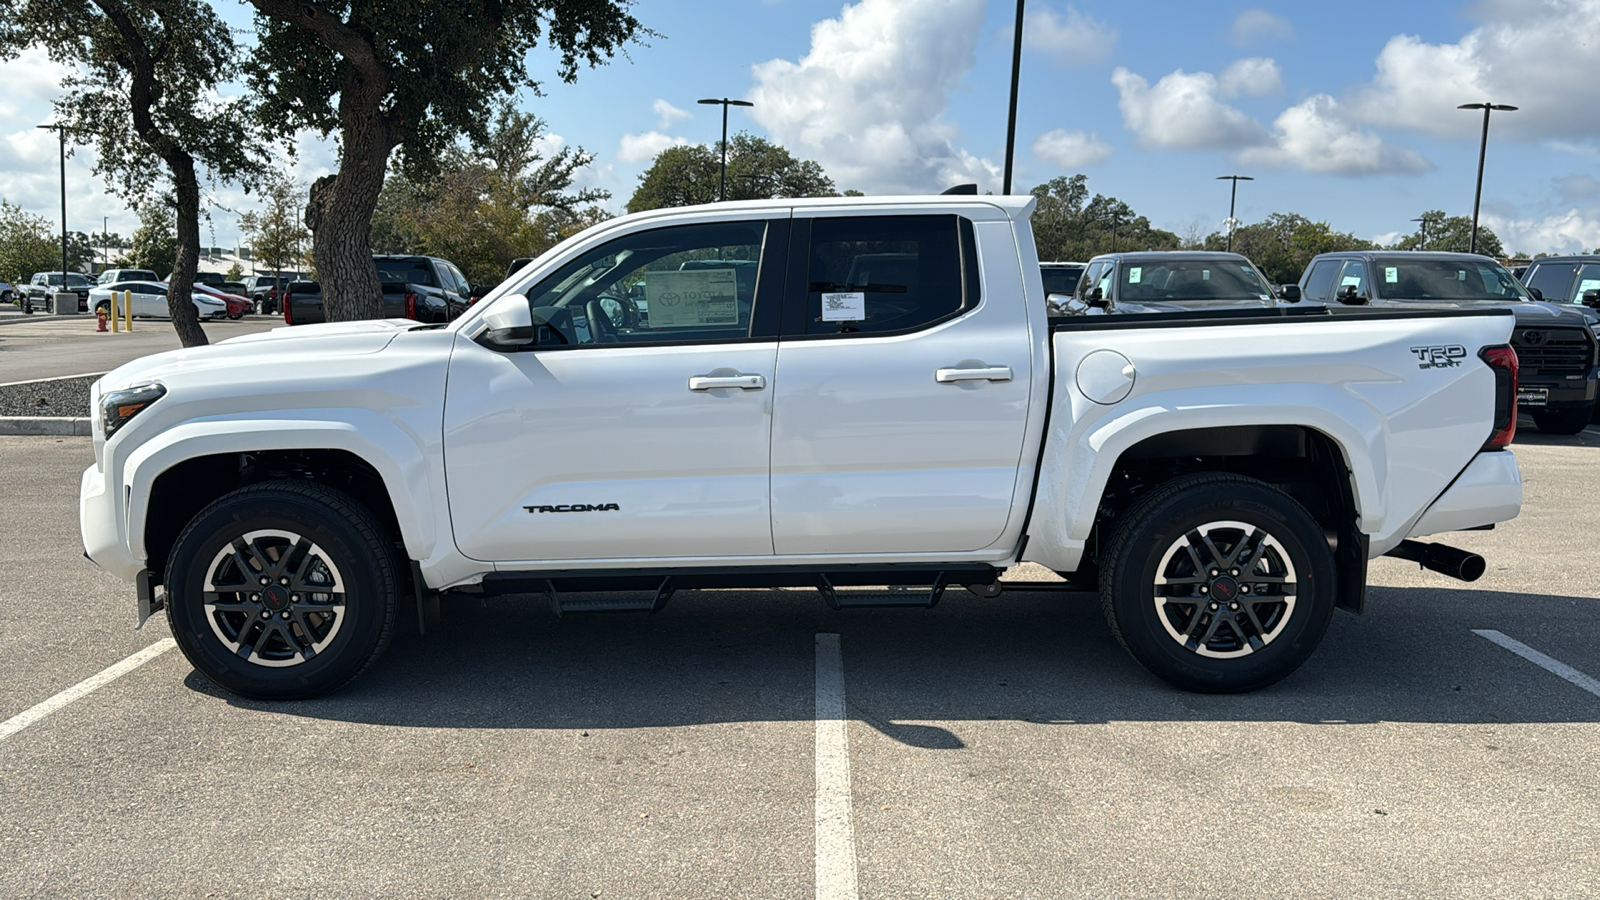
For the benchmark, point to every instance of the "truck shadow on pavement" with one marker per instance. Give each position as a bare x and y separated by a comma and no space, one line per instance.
1045,659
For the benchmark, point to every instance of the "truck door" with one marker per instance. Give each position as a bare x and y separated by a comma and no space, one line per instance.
903,385
620,436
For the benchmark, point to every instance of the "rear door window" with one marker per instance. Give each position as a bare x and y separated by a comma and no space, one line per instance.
881,274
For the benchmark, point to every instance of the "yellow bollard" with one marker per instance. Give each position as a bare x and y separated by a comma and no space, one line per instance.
127,309
113,312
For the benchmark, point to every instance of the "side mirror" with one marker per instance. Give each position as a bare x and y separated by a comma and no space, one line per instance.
509,324
1535,293
1591,299
1096,297
1290,293
1350,294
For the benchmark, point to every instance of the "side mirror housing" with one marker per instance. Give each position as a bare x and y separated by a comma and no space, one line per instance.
1096,298
509,324
1290,293
1591,299
1535,293
1350,294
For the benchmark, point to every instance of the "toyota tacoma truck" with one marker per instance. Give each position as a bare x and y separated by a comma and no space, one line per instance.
879,433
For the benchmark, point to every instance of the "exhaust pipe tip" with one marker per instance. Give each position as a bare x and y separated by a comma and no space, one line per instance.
1441,558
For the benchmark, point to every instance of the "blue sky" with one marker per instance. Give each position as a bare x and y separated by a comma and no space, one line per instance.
1342,112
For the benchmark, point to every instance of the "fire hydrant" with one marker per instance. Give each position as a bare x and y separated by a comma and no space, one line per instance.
100,317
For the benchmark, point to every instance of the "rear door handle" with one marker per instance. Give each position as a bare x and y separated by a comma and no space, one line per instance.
712,382
987,373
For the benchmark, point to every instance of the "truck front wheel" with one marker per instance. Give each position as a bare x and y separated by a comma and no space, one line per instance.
1218,583
282,590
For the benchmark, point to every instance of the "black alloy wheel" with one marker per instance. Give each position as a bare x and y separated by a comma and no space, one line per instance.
1218,583
282,590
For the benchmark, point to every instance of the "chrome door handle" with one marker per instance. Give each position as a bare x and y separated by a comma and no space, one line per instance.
712,382
987,373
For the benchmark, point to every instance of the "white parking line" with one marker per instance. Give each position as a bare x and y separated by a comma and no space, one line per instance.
1549,664
83,688
836,839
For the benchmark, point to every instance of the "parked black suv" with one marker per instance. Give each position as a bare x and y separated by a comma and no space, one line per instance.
1169,281
1559,378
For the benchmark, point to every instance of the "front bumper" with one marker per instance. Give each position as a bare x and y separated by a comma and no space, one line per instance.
1559,393
102,526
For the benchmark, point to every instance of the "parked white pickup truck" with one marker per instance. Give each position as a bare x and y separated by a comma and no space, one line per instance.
833,393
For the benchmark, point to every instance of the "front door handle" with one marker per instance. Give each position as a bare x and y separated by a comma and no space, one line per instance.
986,373
712,382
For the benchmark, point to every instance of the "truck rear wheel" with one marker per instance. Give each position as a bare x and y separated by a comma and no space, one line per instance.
1563,421
1218,583
282,590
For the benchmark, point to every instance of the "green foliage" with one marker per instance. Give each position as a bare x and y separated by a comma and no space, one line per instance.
489,203
1449,233
1283,244
757,170
275,233
234,273
155,245
26,244
1069,225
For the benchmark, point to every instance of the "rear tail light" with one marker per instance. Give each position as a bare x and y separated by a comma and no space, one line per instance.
411,306
1502,361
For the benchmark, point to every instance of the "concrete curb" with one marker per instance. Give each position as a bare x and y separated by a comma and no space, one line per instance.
44,426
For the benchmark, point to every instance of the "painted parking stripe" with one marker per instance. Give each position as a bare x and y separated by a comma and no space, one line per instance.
83,688
836,840
1549,664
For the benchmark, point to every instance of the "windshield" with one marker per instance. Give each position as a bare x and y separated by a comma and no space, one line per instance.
1191,279
1447,279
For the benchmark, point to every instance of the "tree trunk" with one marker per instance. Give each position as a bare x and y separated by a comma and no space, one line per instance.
340,207
180,289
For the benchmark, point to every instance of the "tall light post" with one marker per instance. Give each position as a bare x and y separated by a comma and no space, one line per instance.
724,102
62,131
1011,118
105,242
1483,148
1233,197
1423,226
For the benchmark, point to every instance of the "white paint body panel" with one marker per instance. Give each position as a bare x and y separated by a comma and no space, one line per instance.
852,454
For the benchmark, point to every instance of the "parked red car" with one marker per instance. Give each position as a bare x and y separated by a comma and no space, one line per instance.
237,306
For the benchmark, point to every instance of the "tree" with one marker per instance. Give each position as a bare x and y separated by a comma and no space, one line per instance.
490,203
1068,224
411,76
1283,244
26,245
234,272
274,232
155,247
144,96
1450,233
757,170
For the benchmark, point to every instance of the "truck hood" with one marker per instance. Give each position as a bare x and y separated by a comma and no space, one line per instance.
1528,313
252,356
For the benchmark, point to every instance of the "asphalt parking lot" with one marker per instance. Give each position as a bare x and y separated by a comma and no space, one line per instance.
995,748
46,346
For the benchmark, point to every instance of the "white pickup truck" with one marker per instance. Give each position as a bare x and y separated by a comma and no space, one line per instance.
833,393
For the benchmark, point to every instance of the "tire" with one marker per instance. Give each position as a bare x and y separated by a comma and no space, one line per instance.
1562,421
238,315
317,641
1273,625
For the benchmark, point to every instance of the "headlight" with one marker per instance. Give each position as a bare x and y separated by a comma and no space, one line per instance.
117,407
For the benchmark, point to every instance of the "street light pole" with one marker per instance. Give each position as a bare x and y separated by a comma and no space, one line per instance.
1423,225
1233,197
1483,149
62,131
1011,119
722,180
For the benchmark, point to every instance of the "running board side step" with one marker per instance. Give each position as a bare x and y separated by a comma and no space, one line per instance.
583,604
880,598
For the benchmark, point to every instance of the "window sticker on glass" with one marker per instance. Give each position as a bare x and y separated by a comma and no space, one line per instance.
1461,274
1134,274
1205,274
692,299
1391,274
1350,279
845,307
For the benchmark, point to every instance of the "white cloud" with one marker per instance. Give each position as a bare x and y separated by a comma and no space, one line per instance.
1071,38
1524,53
868,101
1182,112
1573,231
1315,136
668,115
1254,25
1071,149
1253,77
642,147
